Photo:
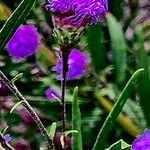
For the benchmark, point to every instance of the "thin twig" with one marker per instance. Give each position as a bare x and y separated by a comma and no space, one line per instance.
25,103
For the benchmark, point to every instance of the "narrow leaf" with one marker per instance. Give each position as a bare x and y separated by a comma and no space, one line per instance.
119,145
144,83
118,46
17,77
15,106
14,21
65,134
5,129
76,122
95,41
110,120
69,132
52,130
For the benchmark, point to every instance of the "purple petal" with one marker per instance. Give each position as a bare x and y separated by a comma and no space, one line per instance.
77,63
52,94
142,142
7,138
78,13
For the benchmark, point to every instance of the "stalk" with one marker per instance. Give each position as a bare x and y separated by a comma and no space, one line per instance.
25,103
65,55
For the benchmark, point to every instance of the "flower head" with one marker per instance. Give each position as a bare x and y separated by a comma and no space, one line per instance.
77,62
142,142
24,42
7,138
77,13
51,94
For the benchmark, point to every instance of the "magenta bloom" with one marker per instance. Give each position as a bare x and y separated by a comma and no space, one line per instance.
24,42
77,62
7,138
142,142
22,145
77,13
52,94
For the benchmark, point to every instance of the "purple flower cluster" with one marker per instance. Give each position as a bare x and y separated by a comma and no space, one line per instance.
142,142
24,42
77,13
77,62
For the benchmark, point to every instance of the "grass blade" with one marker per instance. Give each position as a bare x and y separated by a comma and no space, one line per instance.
76,123
110,120
14,21
96,46
144,83
119,48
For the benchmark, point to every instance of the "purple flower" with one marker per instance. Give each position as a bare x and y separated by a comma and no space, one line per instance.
52,94
7,138
77,13
77,62
24,42
22,145
3,89
142,142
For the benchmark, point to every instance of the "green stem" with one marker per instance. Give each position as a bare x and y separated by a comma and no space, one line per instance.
65,55
25,103
110,120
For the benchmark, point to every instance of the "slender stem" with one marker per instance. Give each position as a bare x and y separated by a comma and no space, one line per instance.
115,111
25,103
4,144
65,55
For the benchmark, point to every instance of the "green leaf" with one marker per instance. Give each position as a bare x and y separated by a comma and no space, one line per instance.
70,131
76,122
17,77
110,120
118,46
15,106
119,145
144,83
95,41
14,21
65,134
52,130
5,129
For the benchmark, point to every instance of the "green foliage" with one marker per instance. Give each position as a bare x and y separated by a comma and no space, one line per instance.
14,21
17,77
119,48
110,120
76,122
119,145
144,83
16,105
95,41
52,130
38,76
66,133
